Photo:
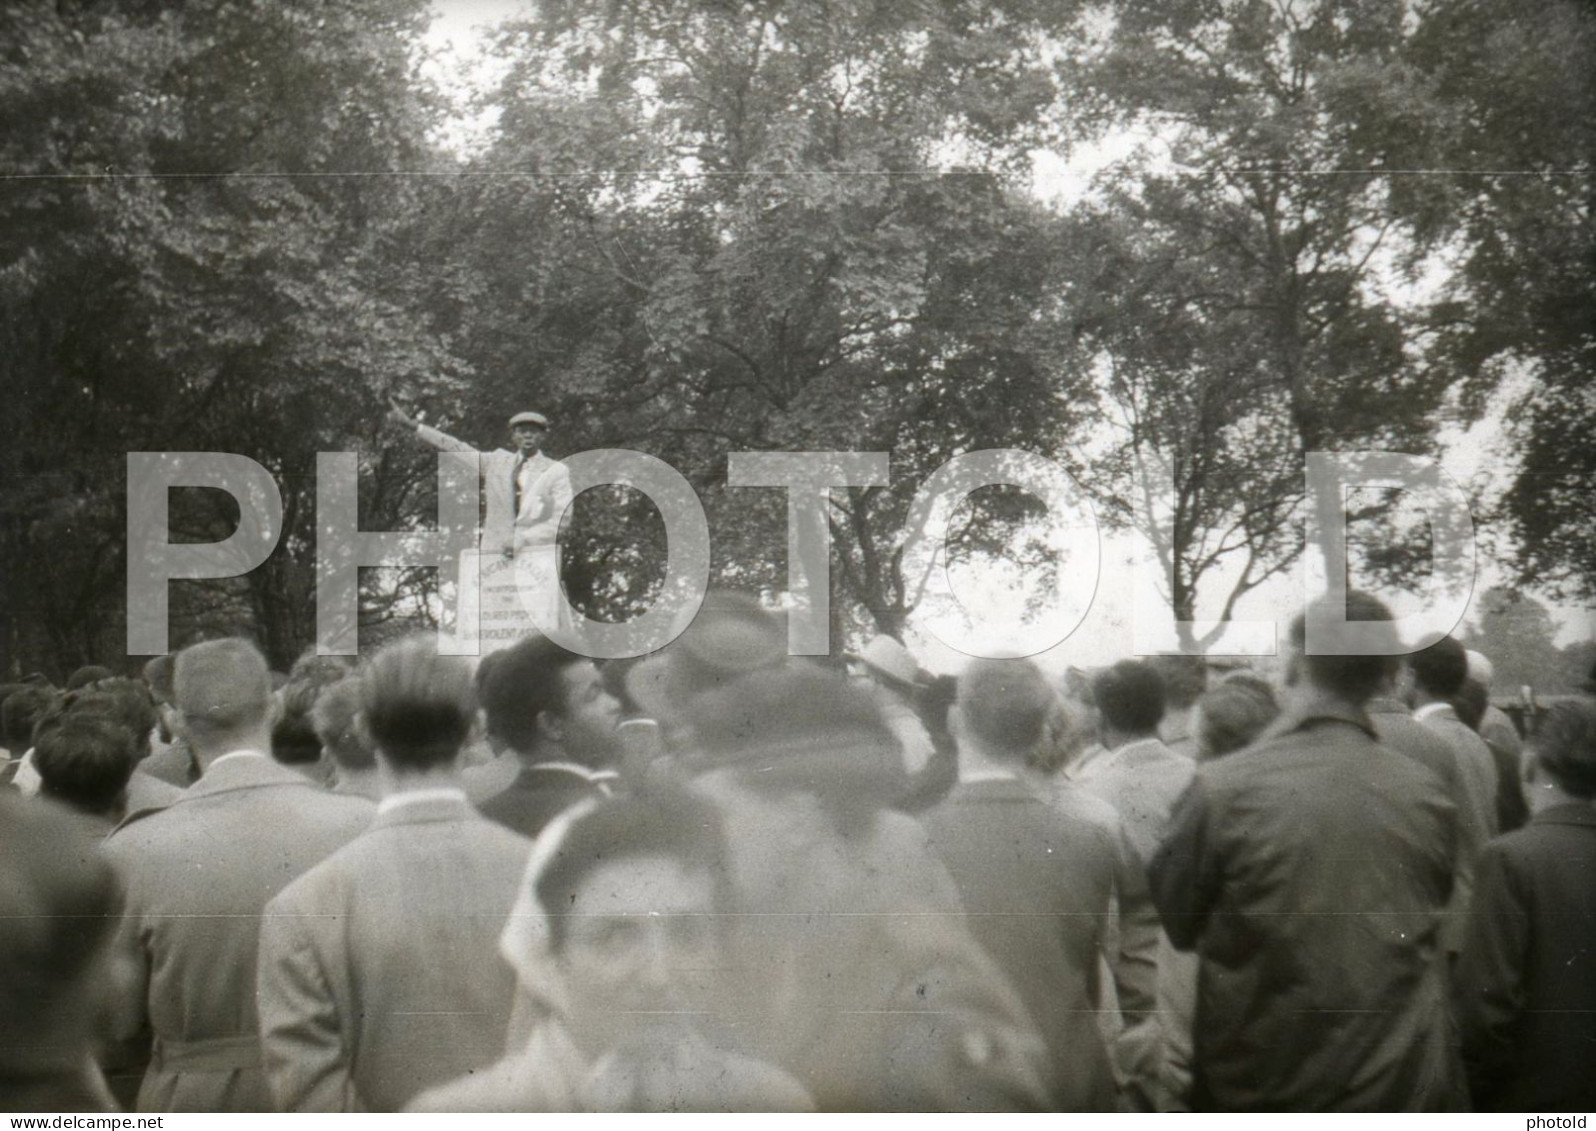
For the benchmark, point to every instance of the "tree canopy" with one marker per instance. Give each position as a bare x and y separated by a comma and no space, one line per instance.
810,226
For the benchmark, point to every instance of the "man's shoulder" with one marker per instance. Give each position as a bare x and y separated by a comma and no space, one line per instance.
291,807
1551,835
997,802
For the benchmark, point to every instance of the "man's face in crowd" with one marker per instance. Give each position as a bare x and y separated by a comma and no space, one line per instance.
528,438
591,717
641,949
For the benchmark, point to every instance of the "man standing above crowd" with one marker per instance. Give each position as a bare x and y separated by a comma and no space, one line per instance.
198,875
551,707
379,968
526,494
1309,872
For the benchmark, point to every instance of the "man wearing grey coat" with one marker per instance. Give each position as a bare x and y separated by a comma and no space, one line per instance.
198,875
380,973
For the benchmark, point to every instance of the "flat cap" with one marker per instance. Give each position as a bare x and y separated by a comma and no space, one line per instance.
529,418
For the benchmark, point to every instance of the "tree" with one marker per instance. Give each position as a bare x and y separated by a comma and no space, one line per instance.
1516,632
776,227
1514,207
1247,269
196,259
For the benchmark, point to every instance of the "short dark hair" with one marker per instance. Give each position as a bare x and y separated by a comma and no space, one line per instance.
1233,715
1353,677
1006,703
84,760
1470,702
122,701
519,684
21,712
1130,697
1564,744
87,674
1185,678
1441,667
336,719
158,677
675,824
294,738
418,705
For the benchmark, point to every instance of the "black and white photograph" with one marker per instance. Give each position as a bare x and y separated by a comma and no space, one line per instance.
768,556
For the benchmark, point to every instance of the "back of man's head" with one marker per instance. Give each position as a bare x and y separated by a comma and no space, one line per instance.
89,673
1353,677
222,687
1233,715
1005,705
294,739
122,701
519,684
1564,745
84,760
158,677
1130,697
1185,678
418,705
336,719
1441,668
22,711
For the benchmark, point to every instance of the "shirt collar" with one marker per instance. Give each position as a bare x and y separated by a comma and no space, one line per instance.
420,797
971,777
1129,749
584,772
1429,709
1385,705
232,754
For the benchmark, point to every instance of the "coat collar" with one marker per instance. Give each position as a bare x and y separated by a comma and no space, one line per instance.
991,789
1574,813
1312,708
1140,752
253,770
567,775
424,808
1385,705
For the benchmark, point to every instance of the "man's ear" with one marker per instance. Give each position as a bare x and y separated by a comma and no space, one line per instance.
551,726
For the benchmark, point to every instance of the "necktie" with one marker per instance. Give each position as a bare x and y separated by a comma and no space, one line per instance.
515,486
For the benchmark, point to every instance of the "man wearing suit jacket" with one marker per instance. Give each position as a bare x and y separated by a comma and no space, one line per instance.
1135,772
1038,888
1435,674
200,872
551,707
380,973
1524,989
526,493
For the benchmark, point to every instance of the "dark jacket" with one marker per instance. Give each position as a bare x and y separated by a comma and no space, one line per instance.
1525,985
1038,890
1309,871
538,795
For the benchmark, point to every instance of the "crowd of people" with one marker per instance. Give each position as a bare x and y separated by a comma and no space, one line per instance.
725,878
